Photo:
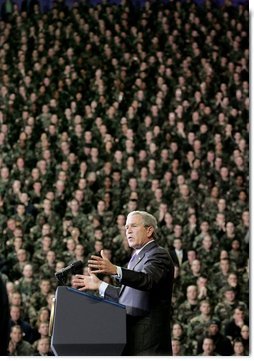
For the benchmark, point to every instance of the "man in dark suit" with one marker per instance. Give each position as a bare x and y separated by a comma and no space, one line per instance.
178,254
146,287
4,319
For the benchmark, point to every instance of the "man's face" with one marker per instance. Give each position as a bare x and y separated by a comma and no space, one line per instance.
208,346
137,234
213,329
16,335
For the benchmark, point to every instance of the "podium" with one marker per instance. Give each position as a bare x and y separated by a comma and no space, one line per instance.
86,325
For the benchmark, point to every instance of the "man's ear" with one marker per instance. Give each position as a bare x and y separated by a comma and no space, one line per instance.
150,231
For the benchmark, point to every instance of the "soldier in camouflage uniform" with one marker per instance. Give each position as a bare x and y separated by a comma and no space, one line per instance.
179,333
198,323
225,307
17,346
27,284
39,298
189,308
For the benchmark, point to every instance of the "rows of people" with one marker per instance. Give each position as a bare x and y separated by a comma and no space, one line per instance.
107,109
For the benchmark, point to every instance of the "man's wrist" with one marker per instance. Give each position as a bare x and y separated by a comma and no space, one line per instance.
118,274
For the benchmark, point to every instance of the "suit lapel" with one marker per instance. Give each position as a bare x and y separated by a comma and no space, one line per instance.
138,259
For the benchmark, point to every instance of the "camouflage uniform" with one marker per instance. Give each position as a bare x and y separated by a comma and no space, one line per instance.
186,311
196,326
23,348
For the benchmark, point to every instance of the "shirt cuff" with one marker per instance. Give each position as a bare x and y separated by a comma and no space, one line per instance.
119,274
102,288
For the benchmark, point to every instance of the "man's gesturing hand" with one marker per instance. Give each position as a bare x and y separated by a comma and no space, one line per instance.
102,265
85,283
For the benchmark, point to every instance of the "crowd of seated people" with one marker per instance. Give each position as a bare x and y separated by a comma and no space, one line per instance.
110,108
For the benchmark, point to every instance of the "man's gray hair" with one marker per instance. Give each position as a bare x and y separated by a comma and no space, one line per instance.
148,219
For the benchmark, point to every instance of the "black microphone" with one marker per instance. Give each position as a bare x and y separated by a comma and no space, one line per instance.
72,267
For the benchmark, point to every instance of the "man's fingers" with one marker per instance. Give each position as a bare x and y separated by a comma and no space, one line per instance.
96,257
81,277
94,265
103,254
82,289
97,271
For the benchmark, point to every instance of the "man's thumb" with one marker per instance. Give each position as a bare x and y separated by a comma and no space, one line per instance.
103,254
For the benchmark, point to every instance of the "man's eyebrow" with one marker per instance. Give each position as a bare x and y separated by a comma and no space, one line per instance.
132,224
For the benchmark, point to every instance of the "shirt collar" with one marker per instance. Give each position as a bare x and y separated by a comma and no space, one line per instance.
140,249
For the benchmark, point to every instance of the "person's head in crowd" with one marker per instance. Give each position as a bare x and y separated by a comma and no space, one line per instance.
191,255
51,257
45,286
245,332
28,271
233,280
74,206
239,314
204,227
178,244
46,229
176,347
120,220
47,205
98,234
192,294
59,266
205,308
228,294
16,186
192,219
178,331
220,220
215,193
213,327
98,246
43,329
43,315
224,265
22,255
18,243
132,205
70,244
243,197
238,347
11,224
4,174
208,346
202,281
207,242
196,267
35,174
79,251
230,229
168,219
16,335
10,288
43,346
178,230
15,313
16,298
46,243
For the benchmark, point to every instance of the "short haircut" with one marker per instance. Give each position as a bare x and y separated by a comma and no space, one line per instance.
148,219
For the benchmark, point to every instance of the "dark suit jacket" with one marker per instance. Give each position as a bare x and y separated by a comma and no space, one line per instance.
175,259
146,292
4,319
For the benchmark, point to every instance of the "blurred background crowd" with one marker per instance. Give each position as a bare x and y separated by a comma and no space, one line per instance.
106,108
